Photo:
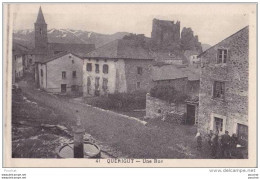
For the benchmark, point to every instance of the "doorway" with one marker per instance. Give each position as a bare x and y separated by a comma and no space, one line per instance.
63,88
242,134
190,114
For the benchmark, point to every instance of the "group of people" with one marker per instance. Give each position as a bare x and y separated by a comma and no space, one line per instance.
221,146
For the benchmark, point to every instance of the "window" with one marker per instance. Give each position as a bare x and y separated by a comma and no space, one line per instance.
97,68
41,73
138,85
97,91
222,56
89,67
139,70
30,61
64,75
219,89
105,82
105,69
74,74
63,88
72,61
40,31
88,85
218,124
97,83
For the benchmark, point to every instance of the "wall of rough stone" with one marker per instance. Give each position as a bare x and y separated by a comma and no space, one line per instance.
234,107
165,32
193,88
156,107
132,77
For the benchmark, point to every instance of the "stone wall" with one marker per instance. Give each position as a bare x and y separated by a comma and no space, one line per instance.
156,107
193,88
165,33
189,41
132,77
234,73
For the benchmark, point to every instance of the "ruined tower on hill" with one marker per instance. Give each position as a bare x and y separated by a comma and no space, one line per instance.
165,34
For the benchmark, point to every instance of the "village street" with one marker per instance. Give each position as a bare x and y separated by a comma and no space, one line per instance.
132,138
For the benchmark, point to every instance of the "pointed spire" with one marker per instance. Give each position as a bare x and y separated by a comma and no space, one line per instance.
40,18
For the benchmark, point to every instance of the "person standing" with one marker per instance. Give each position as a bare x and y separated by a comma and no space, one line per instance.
214,145
199,141
226,145
209,137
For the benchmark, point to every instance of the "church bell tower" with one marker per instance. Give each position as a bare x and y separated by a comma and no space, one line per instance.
40,29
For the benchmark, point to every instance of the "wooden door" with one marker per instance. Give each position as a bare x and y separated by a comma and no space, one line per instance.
242,134
63,88
190,114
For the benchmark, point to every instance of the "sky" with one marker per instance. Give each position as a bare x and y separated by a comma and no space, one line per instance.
211,22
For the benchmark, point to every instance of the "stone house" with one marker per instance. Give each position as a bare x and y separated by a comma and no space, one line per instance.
19,62
223,98
18,69
168,58
120,66
61,73
184,79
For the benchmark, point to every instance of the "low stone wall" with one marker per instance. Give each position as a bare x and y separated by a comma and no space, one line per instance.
158,108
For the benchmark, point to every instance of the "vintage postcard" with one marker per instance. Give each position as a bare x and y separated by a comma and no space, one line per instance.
130,84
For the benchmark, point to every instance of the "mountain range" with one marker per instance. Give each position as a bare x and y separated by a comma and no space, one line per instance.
26,37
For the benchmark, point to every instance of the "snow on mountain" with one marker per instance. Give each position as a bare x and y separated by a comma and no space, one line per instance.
68,36
24,32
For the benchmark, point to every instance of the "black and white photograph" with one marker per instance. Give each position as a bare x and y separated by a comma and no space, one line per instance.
130,84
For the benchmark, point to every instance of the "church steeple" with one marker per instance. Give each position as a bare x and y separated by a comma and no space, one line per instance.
40,28
40,17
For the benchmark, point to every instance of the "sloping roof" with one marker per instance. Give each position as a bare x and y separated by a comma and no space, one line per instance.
40,17
171,72
167,72
126,49
38,51
55,56
78,49
192,73
162,56
19,49
241,30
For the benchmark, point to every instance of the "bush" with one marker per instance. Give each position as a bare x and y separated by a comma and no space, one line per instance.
168,93
135,100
